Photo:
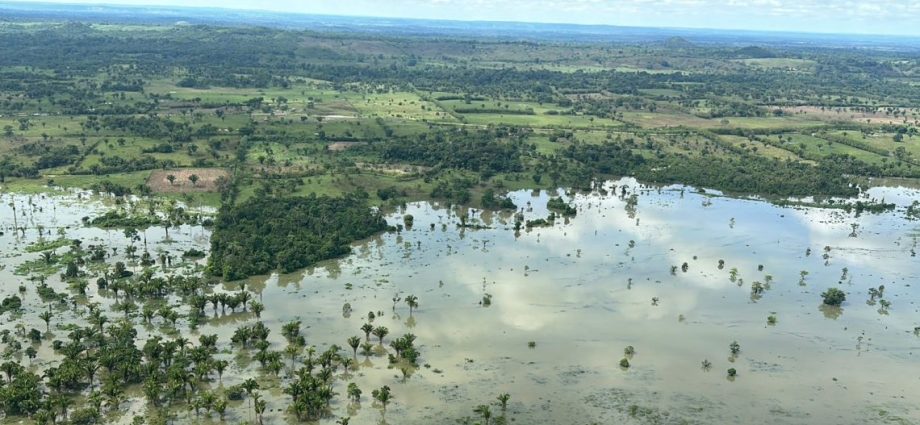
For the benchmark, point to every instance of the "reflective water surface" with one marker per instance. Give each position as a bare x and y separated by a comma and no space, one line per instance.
564,302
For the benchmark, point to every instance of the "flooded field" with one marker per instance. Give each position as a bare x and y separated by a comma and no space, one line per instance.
547,314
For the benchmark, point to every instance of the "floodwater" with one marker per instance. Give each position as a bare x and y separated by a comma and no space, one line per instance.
581,291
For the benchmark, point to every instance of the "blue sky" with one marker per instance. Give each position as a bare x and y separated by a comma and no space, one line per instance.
896,17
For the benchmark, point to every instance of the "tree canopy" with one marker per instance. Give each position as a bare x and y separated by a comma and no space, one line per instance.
267,233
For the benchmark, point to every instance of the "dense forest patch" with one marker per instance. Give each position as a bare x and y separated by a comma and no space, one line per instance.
265,234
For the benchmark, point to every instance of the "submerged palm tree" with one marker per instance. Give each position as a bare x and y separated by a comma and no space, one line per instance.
46,317
484,411
380,332
412,301
383,395
367,328
503,400
250,385
354,342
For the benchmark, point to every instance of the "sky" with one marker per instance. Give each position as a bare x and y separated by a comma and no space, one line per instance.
889,17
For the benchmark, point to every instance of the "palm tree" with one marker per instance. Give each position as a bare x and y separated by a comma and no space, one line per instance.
354,342
348,364
367,328
291,330
257,308
354,393
293,350
244,298
484,411
380,332
249,386
412,301
383,395
220,366
207,400
503,400
11,369
90,367
46,317
260,406
367,349
220,406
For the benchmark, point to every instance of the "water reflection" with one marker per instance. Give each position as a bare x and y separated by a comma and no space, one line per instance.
581,290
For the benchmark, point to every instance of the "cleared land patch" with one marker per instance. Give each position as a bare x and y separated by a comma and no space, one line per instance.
206,181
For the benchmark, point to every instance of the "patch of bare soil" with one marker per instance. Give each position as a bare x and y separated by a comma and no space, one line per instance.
340,146
844,114
205,180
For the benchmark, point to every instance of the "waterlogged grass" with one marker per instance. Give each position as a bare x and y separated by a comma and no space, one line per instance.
46,245
45,266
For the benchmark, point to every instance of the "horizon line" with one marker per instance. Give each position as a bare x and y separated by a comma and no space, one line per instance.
71,3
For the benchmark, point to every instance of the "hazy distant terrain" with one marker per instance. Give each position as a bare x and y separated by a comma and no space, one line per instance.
515,30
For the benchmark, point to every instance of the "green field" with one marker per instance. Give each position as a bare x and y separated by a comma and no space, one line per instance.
333,114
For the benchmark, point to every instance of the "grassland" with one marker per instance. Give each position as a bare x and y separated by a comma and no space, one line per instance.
332,123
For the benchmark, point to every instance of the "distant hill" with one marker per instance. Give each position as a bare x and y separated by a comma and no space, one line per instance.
678,43
754,52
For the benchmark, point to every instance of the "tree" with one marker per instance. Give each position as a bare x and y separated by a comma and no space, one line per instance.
367,328
22,395
250,385
354,393
220,406
484,411
735,348
46,317
220,366
10,369
260,406
354,342
380,332
194,179
412,301
257,308
834,297
383,395
171,178
503,400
